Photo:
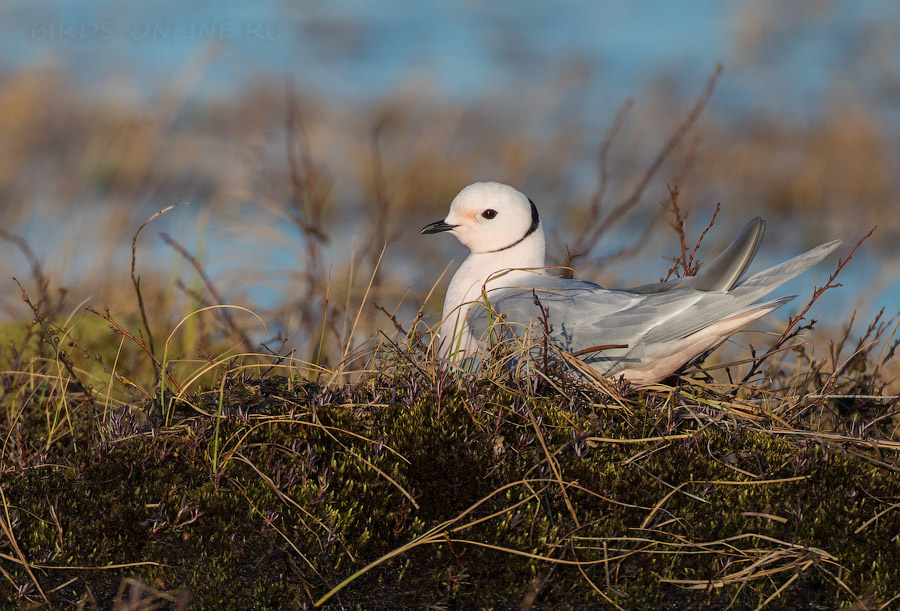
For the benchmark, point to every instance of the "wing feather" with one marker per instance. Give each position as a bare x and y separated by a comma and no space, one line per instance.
583,315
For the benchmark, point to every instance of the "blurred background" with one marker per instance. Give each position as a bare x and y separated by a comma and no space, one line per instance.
303,137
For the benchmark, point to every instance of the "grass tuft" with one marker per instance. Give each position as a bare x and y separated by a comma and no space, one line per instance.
217,470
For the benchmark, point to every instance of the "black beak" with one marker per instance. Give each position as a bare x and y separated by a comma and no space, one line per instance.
437,227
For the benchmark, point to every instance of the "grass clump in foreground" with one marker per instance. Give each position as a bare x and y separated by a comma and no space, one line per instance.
185,469
412,487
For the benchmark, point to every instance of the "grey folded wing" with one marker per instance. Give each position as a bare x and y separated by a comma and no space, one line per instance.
582,315
725,270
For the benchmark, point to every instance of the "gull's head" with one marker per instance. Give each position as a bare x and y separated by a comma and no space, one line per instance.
489,217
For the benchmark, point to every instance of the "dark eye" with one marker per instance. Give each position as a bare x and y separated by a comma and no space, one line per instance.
489,213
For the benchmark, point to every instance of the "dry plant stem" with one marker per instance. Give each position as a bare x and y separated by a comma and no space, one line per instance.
393,318
308,197
554,466
752,359
840,582
362,304
712,221
226,316
602,164
546,328
195,295
287,500
684,262
381,211
590,582
145,598
136,281
594,349
836,351
42,283
636,246
6,527
592,232
440,533
50,338
36,270
874,518
677,224
405,354
792,330
318,357
120,330
581,245
256,510
831,381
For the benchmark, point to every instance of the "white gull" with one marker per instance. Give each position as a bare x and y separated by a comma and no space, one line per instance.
655,328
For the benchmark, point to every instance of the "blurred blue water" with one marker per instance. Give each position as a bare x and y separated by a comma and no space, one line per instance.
779,57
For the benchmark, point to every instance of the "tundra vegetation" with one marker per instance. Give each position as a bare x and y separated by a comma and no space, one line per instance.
168,442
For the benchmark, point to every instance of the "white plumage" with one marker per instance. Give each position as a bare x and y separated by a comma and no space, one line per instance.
660,326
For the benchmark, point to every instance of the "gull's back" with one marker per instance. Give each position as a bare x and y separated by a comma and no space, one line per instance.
657,327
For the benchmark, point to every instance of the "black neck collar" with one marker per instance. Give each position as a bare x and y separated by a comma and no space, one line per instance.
535,221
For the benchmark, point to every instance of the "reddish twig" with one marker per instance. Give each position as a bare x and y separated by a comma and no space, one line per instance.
678,225
601,348
685,261
546,327
594,229
712,222
597,198
120,330
226,316
393,318
50,338
792,330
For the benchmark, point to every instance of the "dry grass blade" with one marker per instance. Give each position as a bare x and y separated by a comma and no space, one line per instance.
136,280
437,534
593,585
349,341
553,465
597,229
874,518
6,527
287,500
275,528
51,338
639,439
220,301
120,330
781,588
792,328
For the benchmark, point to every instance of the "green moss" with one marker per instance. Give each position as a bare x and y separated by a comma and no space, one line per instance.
334,498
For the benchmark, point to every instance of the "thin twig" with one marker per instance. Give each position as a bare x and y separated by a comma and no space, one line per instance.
226,316
61,355
136,281
791,330
591,237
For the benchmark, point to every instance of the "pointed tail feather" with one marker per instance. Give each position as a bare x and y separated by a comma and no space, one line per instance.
767,307
724,271
774,277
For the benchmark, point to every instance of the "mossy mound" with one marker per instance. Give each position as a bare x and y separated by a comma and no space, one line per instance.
491,497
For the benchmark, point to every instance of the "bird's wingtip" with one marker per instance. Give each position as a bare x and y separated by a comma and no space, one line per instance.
827,248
